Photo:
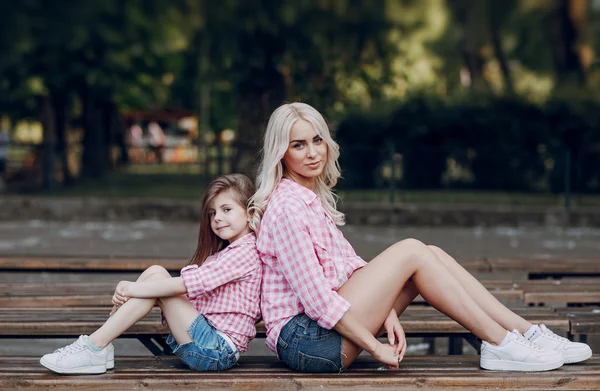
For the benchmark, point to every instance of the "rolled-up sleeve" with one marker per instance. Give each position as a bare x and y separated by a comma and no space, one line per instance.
233,264
296,256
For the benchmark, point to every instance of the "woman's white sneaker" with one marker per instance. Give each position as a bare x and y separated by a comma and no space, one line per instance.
77,358
572,352
516,353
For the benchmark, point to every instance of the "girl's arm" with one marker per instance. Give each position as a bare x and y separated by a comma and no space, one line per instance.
150,289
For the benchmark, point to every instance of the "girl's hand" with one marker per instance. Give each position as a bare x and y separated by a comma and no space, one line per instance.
395,333
387,355
122,293
114,309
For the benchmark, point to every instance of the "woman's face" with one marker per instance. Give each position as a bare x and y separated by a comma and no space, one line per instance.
306,155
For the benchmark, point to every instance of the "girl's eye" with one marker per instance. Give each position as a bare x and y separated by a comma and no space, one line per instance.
211,214
226,210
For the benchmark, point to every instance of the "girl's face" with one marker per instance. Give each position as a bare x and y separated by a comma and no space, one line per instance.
306,155
228,219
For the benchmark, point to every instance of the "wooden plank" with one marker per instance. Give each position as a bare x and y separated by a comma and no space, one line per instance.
134,264
57,322
432,373
88,264
558,266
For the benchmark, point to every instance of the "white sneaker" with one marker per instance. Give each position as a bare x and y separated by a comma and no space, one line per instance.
110,360
572,352
77,358
516,353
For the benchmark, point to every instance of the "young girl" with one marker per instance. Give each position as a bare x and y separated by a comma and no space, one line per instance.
322,304
214,321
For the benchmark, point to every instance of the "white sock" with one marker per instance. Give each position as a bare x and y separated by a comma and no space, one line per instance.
531,332
90,344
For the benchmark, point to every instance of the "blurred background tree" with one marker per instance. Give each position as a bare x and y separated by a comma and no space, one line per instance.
463,86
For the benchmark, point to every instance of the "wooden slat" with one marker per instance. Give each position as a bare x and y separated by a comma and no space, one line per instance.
88,264
57,322
564,267
460,373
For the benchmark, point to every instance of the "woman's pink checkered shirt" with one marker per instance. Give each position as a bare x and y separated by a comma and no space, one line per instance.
306,259
226,289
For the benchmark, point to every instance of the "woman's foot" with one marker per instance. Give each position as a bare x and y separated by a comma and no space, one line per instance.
80,357
572,352
516,353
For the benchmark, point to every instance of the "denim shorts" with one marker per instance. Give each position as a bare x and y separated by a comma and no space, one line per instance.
209,351
305,346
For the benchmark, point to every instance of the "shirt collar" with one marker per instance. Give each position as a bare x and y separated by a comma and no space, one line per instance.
307,195
249,238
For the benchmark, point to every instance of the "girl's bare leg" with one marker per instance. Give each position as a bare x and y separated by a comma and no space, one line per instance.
373,290
129,313
505,317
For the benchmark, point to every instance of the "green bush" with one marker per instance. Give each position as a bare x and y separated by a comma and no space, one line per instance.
503,143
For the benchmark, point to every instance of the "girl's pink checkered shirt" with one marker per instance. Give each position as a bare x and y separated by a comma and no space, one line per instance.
226,289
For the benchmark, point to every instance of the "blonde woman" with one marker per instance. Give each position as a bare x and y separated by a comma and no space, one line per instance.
322,304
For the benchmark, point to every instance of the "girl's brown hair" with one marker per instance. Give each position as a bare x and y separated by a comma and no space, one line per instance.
209,243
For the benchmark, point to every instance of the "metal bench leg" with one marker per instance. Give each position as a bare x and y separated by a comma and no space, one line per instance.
156,347
455,346
475,342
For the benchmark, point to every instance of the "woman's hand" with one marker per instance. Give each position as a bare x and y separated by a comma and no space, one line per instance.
387,355
395,333
122,293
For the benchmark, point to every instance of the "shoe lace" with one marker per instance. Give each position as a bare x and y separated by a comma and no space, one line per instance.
524,341
72,348
550,334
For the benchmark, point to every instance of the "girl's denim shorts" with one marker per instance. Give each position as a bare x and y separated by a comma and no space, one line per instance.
209,351
307,347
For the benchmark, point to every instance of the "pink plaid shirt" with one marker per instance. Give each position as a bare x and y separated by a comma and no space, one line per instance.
226,289
306,259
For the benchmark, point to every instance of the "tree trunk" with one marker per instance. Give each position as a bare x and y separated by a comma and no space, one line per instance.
258,97
96,157
572,55
49,136
59,102
495,27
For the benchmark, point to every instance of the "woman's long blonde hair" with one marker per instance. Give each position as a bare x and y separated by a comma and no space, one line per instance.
271,169
242,189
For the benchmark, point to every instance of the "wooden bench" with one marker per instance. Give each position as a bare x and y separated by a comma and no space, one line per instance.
529,292
417,321
267,373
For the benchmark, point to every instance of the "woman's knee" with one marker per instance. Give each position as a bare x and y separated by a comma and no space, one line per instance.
412,250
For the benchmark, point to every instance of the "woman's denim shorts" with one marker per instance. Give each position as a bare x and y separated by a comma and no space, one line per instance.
307,347
208,352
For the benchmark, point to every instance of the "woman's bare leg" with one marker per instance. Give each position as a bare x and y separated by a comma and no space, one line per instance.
373,290
505,317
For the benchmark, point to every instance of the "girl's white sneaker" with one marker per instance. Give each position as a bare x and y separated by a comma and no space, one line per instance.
516,353
77,358
572,352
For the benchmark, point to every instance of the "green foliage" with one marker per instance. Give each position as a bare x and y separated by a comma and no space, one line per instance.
502,143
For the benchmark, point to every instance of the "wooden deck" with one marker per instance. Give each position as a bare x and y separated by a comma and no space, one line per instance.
261,373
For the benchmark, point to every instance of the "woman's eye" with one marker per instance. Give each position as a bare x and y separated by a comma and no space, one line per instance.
318,140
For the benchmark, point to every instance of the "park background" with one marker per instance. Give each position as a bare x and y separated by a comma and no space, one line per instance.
443,101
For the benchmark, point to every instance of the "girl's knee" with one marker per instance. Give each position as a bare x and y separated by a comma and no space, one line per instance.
155,272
